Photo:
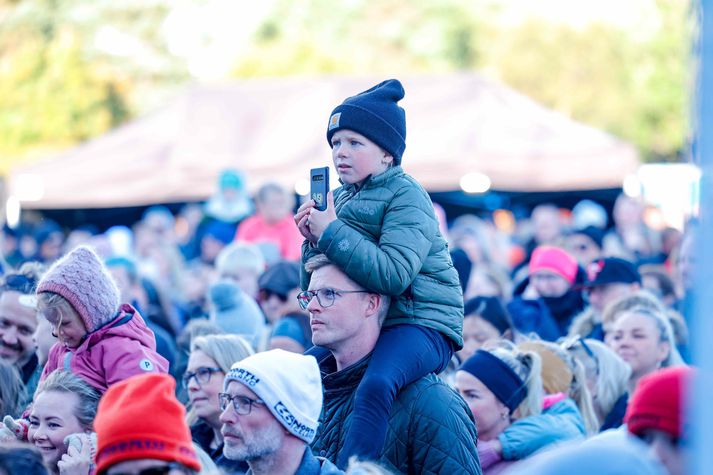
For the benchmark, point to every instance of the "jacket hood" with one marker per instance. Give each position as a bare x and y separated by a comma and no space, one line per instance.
128,324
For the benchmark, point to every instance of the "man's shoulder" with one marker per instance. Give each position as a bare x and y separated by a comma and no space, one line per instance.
428,393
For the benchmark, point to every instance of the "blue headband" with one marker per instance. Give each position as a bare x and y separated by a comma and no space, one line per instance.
505,384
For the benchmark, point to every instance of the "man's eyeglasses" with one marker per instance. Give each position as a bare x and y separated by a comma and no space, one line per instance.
325,296
241,404
19,283
202,375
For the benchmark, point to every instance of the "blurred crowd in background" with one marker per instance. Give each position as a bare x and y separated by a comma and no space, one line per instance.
602,302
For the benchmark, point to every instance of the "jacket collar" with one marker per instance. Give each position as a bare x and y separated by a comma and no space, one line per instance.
346,379
124,315
374,180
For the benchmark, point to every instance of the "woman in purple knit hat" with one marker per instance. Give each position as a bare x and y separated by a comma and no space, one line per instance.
98,340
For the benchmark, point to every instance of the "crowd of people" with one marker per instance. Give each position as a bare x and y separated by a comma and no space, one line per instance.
258,335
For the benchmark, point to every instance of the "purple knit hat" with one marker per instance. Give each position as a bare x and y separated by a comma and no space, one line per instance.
82,279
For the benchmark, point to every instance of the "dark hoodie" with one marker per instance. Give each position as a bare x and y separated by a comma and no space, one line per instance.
549,317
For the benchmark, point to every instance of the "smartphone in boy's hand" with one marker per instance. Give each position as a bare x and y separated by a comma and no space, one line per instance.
319,187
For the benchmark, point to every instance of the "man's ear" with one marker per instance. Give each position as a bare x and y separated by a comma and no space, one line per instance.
374,302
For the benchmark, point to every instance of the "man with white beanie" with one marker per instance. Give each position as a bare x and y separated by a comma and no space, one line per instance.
271,405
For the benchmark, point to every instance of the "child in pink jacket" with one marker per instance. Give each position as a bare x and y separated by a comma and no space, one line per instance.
99,340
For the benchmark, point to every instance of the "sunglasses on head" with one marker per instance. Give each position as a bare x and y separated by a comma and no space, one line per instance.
19,283
266,294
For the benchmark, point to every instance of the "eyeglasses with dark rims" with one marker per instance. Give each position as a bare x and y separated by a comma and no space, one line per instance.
325,296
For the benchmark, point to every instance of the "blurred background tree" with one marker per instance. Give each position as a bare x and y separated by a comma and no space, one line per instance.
73,69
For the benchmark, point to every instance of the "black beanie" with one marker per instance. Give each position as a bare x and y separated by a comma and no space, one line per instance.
490,309
376,115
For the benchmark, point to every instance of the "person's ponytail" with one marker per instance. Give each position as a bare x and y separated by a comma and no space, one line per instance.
532,366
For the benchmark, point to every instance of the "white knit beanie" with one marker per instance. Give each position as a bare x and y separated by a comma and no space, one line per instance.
290,384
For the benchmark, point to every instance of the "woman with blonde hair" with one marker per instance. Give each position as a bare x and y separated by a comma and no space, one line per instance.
61,422
641,298
607,379
500,386
210,359
644,339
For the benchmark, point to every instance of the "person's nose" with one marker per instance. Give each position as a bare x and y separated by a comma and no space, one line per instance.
623,342
193,385
313,306
227,415
40,434
340,150
9,336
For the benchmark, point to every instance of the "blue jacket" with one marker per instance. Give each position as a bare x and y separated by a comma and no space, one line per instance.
548,317
560,422
312,465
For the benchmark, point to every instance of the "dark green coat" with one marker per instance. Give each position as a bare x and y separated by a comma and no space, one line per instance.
386,239
431,430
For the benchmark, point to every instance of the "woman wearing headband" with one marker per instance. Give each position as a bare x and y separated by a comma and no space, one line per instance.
499,387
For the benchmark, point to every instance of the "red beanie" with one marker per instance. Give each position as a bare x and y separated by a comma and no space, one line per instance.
141,418
555,260
658,401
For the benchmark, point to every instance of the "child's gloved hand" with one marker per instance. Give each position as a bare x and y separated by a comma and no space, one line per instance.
81,450
79,440
17,428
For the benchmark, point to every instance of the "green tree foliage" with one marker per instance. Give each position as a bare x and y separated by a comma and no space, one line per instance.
361,36
57,87
62,81
634,86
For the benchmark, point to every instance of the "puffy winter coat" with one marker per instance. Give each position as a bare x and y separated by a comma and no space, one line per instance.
430,429
122,348
558,423
386,238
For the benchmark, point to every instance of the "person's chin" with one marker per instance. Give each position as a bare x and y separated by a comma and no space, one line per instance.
321,339
50,456
7,358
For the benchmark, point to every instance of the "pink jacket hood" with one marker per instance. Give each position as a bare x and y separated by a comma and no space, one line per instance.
122,348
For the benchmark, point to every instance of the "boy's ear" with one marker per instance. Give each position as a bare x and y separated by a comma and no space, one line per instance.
387,159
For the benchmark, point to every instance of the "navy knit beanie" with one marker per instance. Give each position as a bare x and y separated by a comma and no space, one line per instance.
376,115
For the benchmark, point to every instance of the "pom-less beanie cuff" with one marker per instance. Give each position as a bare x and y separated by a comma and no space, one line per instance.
375,114
146,446
554,259
370,125
82,279
139,418
76,304
289,384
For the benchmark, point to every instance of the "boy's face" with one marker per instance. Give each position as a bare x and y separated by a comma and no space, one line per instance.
356,157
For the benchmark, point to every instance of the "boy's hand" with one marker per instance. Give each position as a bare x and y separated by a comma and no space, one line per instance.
319,220
302,221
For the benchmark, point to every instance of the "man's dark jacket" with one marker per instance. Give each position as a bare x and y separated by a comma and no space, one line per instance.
431,430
